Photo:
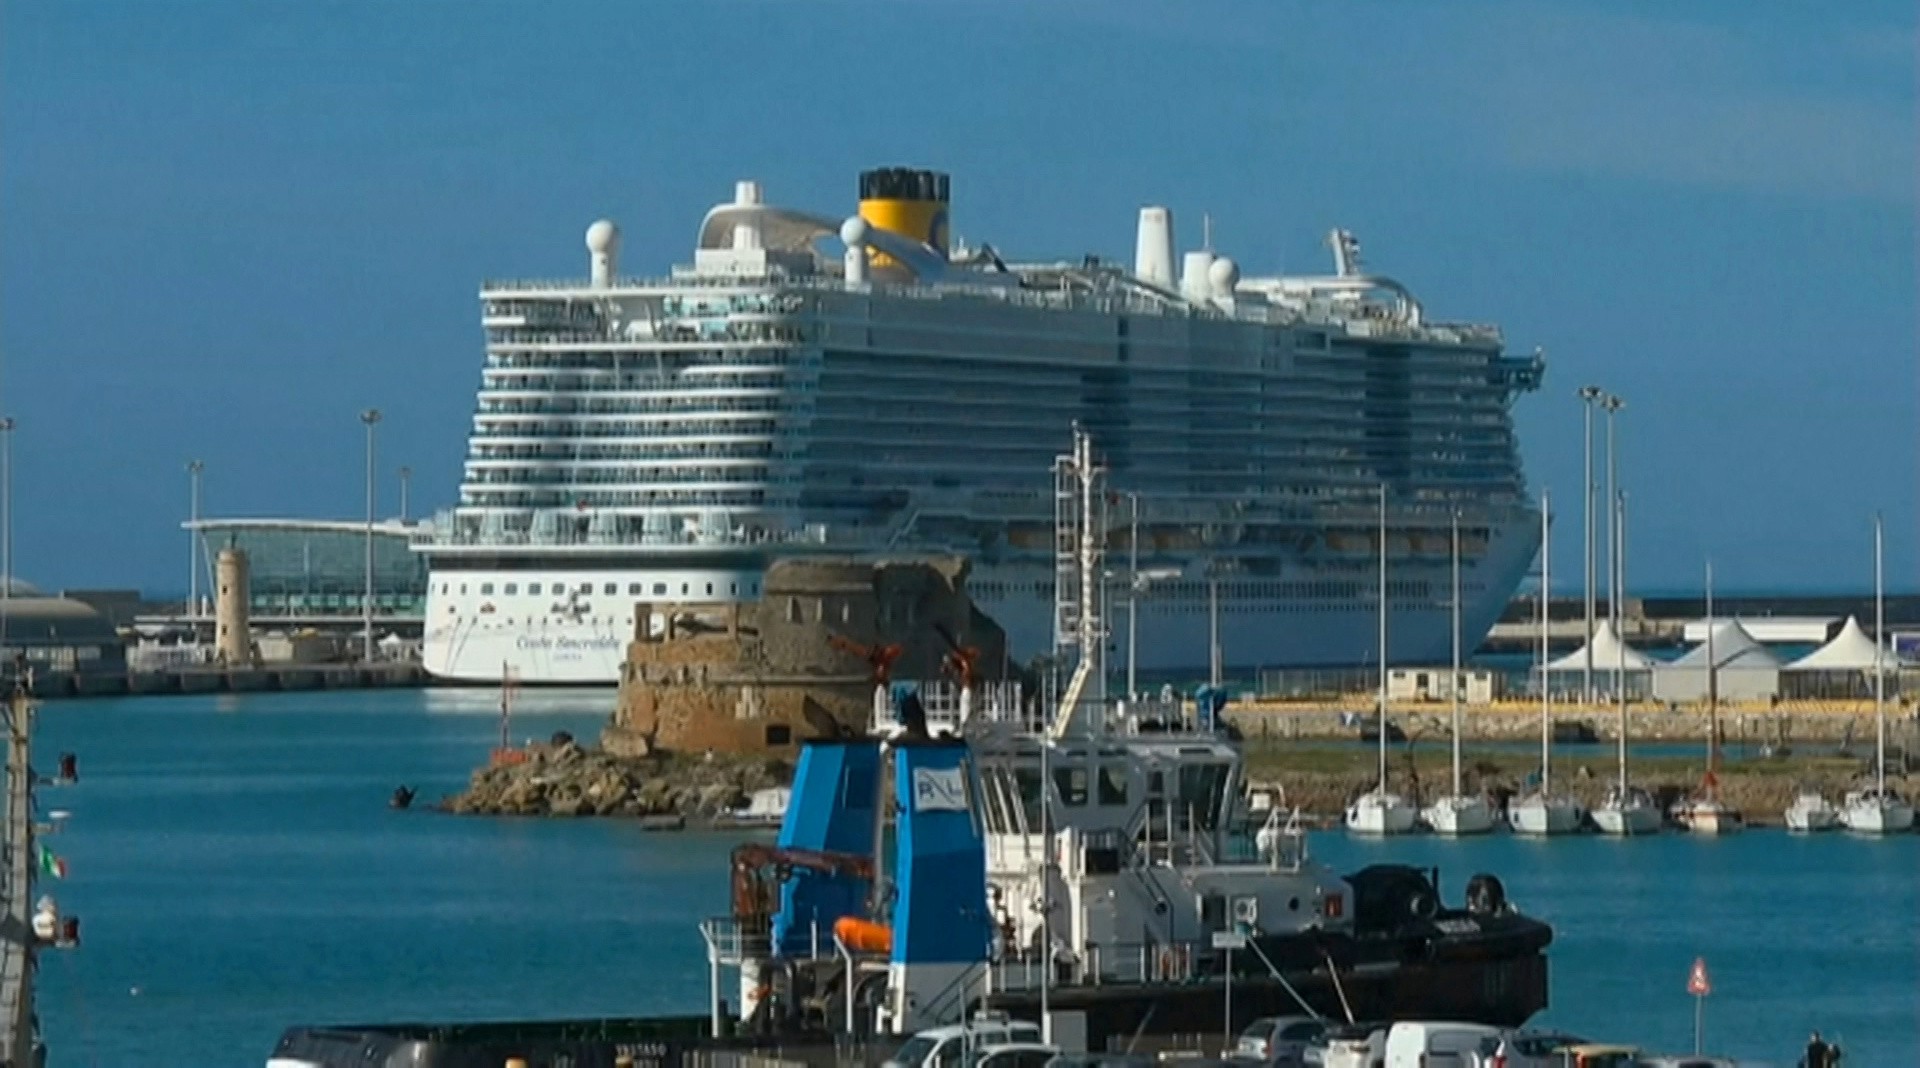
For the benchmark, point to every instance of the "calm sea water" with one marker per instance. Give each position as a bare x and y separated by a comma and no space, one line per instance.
237,870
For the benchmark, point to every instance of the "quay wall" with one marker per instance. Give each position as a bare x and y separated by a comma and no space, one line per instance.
240,679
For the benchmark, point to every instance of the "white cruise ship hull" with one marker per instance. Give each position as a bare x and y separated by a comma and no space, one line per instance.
476,628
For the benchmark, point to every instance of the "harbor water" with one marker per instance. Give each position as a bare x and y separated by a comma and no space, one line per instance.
237,869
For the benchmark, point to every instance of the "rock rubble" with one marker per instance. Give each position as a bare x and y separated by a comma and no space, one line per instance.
563,778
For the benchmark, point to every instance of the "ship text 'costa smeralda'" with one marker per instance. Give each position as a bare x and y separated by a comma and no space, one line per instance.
811,385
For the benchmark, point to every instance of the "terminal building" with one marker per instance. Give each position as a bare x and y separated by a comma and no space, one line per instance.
312,572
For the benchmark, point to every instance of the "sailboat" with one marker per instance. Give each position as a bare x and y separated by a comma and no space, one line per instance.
1379,810
1878,809
1705,813
1458,813
1541,813
1628,809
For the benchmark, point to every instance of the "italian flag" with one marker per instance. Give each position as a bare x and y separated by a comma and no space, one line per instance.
51,864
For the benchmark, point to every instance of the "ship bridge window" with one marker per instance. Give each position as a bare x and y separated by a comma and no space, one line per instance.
533,589
1113,784
512,588
486,589
609,589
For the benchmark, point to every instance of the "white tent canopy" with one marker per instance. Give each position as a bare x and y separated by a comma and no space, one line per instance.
1850,650
1732,647
1609,653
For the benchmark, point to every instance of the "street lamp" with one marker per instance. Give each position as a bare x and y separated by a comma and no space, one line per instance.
1588,394
406,478
371,417
1615,580
194,469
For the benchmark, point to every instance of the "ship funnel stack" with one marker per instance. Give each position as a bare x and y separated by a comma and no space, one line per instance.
1196,277
909,202
746,233
603,245
1153,250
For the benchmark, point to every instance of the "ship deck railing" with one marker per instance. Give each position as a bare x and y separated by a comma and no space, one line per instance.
1104,299
1113,964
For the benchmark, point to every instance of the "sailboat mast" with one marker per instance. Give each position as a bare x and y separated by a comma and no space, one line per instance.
1383,638
1879,673
1713,692
1546,619
1619,550
1455,687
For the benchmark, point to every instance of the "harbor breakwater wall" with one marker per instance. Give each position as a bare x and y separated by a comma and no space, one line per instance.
1517,722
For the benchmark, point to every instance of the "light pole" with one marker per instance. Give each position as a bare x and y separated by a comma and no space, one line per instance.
1613,404
1588,394
194,469
371,417
406,478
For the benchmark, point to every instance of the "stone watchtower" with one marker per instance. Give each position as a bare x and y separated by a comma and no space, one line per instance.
763,676
232,625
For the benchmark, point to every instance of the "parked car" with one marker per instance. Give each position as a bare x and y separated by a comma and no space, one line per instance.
944,1047
1539,1049
1350,1046
1014,1055
1596,1055
1442,1044
1279,1040
1102,1060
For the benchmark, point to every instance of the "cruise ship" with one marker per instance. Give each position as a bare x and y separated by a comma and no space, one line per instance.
857,385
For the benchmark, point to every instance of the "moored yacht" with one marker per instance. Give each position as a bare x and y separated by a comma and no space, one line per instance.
1878,809
1458,813
1542,812
1811,811
1704,812
1380,811
1627,811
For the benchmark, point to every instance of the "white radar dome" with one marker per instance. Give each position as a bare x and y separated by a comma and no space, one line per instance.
602,236
853,232
1224,275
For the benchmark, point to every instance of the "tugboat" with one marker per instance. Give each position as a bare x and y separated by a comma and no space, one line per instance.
1093,865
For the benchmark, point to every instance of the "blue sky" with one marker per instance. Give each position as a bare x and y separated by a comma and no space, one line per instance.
225,228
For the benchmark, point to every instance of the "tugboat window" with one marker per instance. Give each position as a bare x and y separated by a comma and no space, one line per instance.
1027,781
1072,784
1200,793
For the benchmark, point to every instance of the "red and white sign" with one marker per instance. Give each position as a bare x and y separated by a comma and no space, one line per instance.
1697,983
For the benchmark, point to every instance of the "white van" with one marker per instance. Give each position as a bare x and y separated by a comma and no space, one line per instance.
948,1047
1442,1045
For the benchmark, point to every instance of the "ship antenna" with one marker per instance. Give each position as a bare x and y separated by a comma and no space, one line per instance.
1206,231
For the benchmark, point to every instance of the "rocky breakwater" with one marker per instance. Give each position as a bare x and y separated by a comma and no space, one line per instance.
563,778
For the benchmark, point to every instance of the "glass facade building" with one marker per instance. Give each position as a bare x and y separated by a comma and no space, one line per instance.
316,569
